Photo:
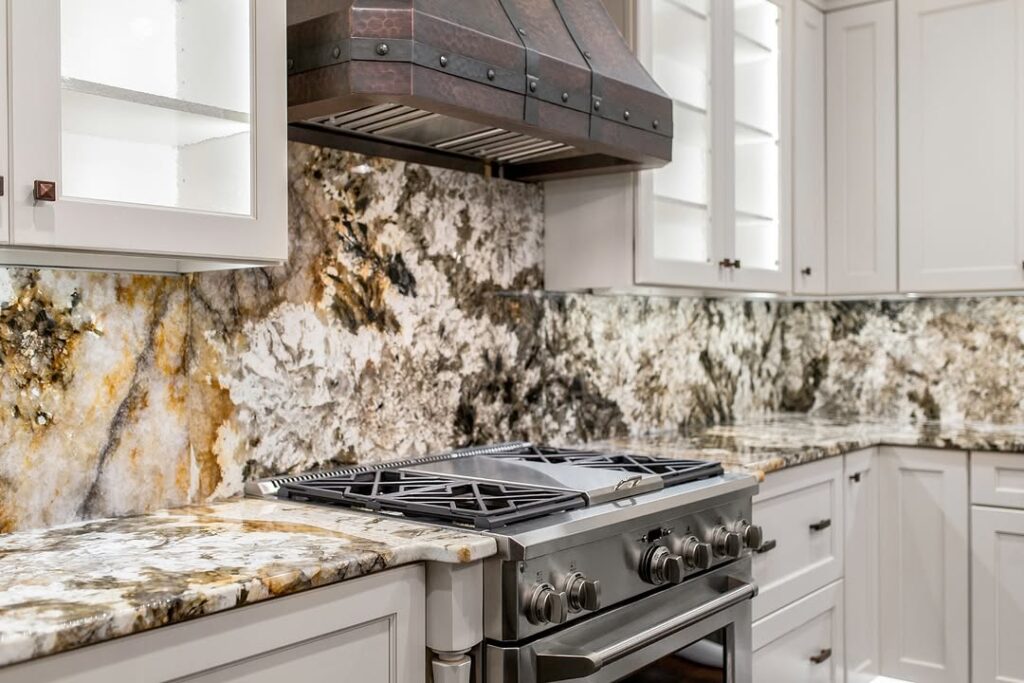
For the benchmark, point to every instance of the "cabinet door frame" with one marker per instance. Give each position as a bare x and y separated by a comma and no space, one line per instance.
86,225
916,230
881,278
987,524
900,548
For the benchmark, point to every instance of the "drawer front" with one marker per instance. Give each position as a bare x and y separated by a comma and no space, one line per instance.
997,479
801,512
802,642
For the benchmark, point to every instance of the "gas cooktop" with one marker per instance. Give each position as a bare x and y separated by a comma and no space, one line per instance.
495,486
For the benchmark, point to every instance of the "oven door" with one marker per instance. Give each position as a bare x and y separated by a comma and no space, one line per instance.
698,630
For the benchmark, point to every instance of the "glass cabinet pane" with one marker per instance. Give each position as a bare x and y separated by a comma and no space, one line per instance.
681,64
156,102
757,62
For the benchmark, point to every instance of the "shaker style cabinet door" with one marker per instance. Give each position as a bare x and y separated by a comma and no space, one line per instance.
997,595
860,579
861,124
809,150
961,106
924,565
153,127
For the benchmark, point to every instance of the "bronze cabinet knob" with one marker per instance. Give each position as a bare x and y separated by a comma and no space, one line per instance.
44,191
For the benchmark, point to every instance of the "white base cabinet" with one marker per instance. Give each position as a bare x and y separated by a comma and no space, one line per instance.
923,546
997,595
370,629
802,642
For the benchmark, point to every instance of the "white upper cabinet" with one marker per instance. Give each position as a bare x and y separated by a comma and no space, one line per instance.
961,144
861,123
809,150
719,215
151,128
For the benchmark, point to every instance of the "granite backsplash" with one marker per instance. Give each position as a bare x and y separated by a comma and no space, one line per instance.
411,318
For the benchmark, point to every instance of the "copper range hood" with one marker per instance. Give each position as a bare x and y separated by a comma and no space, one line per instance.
524,89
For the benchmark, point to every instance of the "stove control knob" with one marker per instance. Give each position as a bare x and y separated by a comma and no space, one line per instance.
583,593
696,555
751,534
547,605
659,566
726,543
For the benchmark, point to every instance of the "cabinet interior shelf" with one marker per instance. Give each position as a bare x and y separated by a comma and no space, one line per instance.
751,217
682,202
689,8
107,111
748,133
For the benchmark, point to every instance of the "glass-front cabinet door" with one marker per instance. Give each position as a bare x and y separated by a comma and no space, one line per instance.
150,127
760,230
676,243
717,216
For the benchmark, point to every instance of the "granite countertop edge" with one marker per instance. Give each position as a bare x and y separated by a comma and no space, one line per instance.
89,582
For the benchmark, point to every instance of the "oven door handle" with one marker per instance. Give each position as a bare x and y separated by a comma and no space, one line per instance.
561,664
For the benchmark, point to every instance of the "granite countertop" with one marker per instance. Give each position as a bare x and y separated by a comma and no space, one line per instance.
768,444
87,582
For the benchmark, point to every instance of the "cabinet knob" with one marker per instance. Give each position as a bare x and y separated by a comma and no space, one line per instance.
806,271
729,263
44,191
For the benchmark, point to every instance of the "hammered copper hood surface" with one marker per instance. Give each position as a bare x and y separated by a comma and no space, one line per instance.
524,89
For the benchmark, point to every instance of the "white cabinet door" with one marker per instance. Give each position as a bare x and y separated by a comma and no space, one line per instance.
801,512
150,128
677,241
860,579
809,150
802,642
370,629
861,124
961,143
997,595
758,222
924,565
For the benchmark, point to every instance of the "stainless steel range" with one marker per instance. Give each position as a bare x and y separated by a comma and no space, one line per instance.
611,567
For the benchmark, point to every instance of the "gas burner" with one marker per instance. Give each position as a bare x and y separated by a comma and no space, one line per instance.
483,505
672,472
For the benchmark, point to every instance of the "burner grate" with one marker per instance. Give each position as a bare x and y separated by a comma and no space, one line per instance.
483,505
672,471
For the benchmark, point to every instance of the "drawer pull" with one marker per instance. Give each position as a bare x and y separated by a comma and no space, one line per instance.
822,525
855,478
822,656
766,546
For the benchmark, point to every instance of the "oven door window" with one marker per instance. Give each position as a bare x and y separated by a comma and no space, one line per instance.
701,662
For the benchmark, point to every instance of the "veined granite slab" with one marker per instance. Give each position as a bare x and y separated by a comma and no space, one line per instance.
768,444
87,582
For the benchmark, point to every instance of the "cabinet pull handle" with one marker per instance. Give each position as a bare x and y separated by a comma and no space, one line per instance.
806,271
855,478
725,263
822,656
1,186
820,526
766,546
44,191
